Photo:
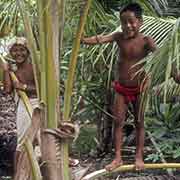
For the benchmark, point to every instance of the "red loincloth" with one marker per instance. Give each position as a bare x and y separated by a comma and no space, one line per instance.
130,93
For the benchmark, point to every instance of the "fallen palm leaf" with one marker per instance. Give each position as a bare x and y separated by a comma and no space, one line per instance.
124,168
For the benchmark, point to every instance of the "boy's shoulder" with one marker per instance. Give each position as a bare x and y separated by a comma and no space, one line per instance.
117,35
148,39
144,37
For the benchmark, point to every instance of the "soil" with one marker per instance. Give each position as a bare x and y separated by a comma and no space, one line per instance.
94,163
97,160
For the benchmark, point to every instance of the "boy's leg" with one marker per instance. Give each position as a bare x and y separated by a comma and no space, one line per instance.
139,123
119,113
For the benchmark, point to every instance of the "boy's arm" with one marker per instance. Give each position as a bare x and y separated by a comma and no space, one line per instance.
150,44
24,87
100,39
31,89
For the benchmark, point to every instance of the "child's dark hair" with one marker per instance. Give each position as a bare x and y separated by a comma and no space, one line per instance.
134,7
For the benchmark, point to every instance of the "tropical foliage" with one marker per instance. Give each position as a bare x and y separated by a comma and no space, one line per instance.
166,34
95,65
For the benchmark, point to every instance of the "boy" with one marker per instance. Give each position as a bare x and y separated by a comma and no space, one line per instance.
133,47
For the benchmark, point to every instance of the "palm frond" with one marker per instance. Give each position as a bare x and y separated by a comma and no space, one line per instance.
151,7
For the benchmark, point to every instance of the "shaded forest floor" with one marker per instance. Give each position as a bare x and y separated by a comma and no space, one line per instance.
95,163
84,149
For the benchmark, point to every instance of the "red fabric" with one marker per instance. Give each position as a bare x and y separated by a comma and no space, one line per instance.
130,93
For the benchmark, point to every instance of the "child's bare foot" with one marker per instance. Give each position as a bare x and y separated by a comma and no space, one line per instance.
114,164
139,164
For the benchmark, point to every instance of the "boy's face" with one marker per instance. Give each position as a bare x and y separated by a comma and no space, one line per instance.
19,53
130,24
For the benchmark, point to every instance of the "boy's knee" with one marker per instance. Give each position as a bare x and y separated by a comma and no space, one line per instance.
119,122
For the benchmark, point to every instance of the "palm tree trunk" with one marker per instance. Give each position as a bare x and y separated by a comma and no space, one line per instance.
49,94
69,84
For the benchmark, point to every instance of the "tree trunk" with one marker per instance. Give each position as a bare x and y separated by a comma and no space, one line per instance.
49,167
105,126
49,55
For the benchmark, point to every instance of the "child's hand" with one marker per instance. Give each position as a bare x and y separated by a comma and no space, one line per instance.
113,83
177,78
4,66
18,85
83,39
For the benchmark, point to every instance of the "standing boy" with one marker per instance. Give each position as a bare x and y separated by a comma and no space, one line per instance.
133,47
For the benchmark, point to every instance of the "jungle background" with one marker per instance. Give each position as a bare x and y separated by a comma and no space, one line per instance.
92,96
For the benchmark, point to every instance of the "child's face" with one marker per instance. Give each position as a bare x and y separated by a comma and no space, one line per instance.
130,24
19,53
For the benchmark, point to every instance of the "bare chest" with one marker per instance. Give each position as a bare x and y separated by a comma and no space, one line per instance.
132,50
25,76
